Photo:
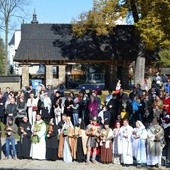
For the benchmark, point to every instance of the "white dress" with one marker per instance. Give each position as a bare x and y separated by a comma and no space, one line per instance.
66,149
117,149
139,145
38,150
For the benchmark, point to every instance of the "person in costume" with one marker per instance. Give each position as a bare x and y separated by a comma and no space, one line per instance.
52,141
68,147
81,140
155,143
126,143
25,133
92,131
117,149
106,136
38,146
139,143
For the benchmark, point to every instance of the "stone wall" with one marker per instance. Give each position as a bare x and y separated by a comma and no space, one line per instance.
49,75
51,79
55,80
62,74
25,75
11,81
14,86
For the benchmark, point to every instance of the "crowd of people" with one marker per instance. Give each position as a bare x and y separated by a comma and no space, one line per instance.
121,128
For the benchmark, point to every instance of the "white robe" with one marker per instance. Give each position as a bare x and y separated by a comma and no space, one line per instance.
117,148
126,143
38,150
153,159
139,145
66,149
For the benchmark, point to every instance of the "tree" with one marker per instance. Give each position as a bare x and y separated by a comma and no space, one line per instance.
122,46
152,19
1,57
10,9
165,58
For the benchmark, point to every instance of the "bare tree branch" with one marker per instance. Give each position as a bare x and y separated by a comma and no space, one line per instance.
10,9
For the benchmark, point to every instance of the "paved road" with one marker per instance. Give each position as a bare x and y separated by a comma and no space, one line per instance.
43,164
35,164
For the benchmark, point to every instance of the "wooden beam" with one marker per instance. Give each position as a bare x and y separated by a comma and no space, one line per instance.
64,62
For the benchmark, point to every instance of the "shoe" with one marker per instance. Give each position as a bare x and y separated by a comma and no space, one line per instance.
14,158
6,158
138,166
87,162
94,161
157,166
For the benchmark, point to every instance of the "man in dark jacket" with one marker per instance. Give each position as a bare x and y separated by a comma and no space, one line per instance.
11,110
112,108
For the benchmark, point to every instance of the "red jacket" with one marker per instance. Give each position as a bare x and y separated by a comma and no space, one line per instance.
166,103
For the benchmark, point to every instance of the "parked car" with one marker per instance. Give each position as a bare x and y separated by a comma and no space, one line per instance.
100,86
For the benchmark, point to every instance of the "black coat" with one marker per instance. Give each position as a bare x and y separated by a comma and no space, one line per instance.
25,140
68,111
52,141
2,106
11,108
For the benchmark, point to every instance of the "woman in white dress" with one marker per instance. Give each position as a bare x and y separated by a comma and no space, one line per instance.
117,150
139,143
66,130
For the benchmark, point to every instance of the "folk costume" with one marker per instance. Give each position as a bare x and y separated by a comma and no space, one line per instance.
155,144
25,140
126,144
106,136
38,146
68,147
81,141
92,132
139,143
117,150
52,141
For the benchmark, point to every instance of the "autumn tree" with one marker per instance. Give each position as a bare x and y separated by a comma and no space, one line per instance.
10,10
152,19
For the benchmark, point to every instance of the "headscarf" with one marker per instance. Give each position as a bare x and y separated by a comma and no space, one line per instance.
141,124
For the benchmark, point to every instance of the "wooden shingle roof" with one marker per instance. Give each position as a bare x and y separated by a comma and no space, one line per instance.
37,42
55,42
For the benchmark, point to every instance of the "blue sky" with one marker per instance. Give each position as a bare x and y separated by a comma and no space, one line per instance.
59,11
52,11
